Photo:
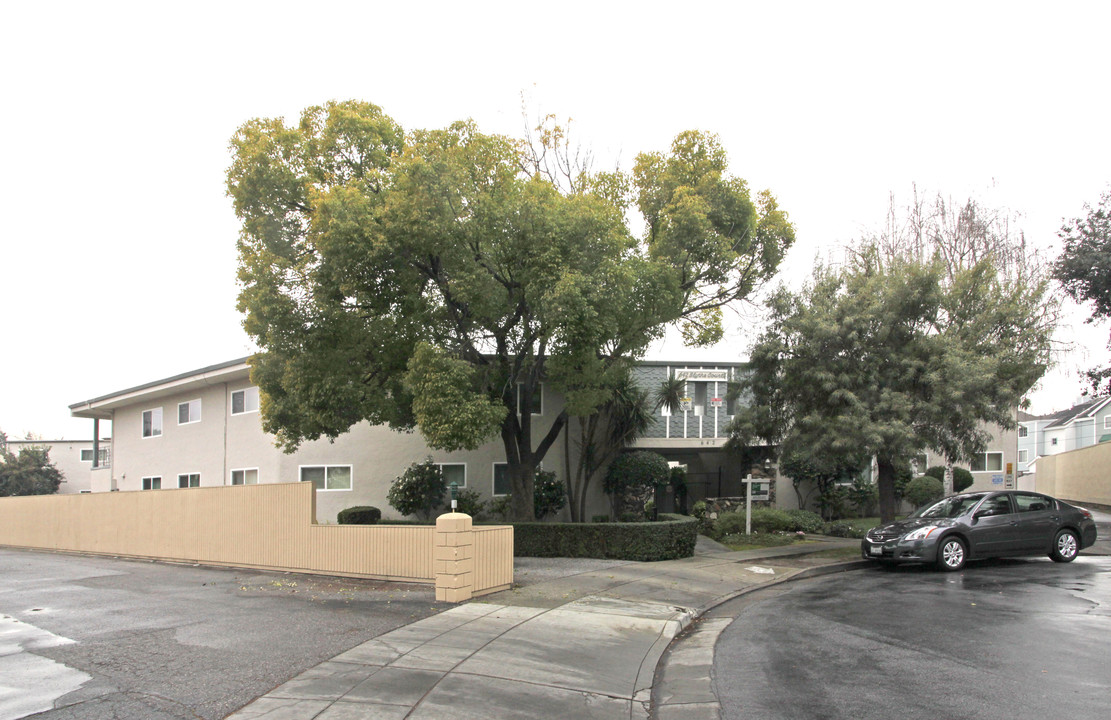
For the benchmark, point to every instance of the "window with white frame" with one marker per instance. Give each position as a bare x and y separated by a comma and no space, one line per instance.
244,476
1107,422
327,477
1053,441
244,401
1023,455
152,483
537,399
87,456
1023,431
152,422
987,462
188,412
188,480
454,473
501,484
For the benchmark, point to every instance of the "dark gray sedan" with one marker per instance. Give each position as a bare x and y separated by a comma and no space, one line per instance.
978,525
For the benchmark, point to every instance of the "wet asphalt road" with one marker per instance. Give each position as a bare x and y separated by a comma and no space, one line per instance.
1006,639
166,642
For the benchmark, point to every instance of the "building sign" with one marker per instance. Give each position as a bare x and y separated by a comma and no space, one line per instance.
997,479
715,402
702,375
685,404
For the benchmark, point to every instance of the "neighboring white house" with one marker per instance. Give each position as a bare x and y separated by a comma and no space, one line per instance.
1082,425
202,428
73,458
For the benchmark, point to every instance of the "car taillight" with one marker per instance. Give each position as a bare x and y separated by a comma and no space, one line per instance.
1085,513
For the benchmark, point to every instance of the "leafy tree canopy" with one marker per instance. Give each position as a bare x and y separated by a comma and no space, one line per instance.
1084,270
433,278
30,472
895,351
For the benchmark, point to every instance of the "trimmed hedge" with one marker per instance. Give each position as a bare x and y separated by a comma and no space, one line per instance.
359,515
673,536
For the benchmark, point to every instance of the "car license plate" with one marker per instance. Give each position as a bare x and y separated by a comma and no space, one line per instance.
876,550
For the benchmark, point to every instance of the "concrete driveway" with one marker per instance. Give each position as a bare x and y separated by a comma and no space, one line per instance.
91,637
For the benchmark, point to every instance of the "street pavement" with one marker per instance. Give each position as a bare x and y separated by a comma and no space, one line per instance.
562,643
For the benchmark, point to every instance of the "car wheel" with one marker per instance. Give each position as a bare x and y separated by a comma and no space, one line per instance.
1065,547
951,554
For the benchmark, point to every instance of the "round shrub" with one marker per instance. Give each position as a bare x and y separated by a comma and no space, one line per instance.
923,489
419,490
962,479
805,521
549,495
470,502
359,515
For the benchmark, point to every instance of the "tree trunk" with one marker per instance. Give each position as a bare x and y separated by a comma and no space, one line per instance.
886,484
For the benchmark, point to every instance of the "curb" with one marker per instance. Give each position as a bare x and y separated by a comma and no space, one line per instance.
690,696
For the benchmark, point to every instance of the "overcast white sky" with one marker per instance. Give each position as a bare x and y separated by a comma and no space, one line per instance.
117,252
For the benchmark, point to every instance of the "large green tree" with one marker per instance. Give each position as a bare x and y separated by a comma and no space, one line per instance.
30,472
437,278
885,356
1084,270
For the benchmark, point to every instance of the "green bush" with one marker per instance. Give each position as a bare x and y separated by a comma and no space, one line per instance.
470,502
923,489
962,479
673,536
768,520
805,521
844,530
600,518
418,491
360,515
549,495
634,475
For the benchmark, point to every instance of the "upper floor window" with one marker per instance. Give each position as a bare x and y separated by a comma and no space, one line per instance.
1023,455
246,476
152,483
537,399
987,462
152,422
1023,431
189,480
87,456
1053,441
454,473
1107,422
328,477
244,401
189,412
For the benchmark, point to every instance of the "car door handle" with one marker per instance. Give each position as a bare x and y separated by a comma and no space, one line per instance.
1055,518
1014,523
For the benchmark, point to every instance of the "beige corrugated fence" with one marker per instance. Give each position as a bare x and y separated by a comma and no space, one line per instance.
256,526
1082,476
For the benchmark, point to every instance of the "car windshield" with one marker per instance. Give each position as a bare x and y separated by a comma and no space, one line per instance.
950,507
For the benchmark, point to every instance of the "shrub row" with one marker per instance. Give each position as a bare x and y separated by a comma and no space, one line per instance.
359,515
673,536
767,520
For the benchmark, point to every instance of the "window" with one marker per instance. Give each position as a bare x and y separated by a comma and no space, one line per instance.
189,412
1023,456
1029,502
189,480
87,456
987,462
998,505
152,423
700,389
1023,431
328,477
246,476
501,479
919,464
1053,441
1107,423
454,473
152,483
537,399
244,401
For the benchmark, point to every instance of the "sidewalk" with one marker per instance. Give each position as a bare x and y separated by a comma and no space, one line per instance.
566,643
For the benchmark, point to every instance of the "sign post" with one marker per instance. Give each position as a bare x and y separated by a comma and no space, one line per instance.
752,485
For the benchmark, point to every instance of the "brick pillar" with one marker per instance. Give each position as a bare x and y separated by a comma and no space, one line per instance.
454,557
